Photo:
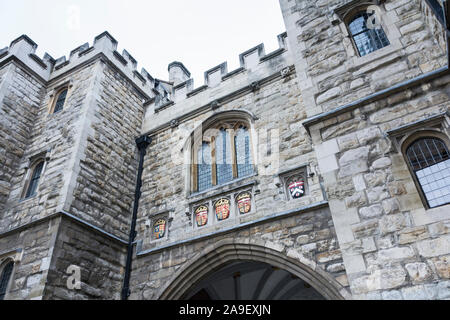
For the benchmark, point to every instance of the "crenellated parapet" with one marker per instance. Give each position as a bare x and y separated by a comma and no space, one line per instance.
181,86
23,49
179,98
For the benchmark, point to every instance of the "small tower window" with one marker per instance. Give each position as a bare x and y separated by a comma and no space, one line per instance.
4,279
366,39
34,181
429,159
60,101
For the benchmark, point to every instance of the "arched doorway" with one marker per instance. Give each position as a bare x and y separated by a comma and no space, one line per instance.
226,257
246,280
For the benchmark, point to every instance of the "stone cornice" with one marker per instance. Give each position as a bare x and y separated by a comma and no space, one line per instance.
308,123
68,216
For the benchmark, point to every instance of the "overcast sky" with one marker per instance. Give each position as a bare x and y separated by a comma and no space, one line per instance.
199,33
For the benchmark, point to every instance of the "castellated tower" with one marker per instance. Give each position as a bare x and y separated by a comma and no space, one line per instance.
320,170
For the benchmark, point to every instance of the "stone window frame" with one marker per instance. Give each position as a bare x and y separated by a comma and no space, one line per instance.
285,176
437,126
343,16
55,93
14,256
32,164
231,120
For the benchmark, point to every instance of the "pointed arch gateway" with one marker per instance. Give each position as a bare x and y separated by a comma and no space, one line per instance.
225,253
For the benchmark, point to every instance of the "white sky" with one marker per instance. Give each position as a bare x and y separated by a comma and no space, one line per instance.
199,33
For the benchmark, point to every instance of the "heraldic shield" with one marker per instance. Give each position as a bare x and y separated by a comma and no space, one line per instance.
297,189
159,229
201,216
222,208
244,201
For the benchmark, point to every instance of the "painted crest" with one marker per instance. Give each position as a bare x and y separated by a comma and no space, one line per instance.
244,202
222,208
159,229
201,216
297,189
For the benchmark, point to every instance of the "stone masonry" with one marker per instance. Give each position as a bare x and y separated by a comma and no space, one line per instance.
314,108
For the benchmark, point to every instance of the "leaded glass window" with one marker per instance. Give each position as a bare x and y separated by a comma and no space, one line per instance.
429,158
4,279
223,157
34,181
243,154
204,167
61,99
366,39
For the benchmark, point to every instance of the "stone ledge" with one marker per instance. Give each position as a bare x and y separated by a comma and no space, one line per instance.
315,206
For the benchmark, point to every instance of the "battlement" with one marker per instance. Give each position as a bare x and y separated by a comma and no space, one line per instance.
181,86
47,68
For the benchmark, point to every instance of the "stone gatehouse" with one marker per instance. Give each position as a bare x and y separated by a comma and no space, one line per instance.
320,170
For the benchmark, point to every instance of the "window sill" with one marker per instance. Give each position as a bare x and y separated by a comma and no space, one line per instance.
227,187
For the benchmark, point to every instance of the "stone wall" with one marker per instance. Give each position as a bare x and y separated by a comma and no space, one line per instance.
306,237
166,179
20,96
31,249
101,261
392,246
333,74
106,180
281,144
55,135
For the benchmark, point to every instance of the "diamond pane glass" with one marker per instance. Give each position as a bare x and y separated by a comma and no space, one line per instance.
204,177
243,154
430,160
6,274
367,40
223,157
60,101
32,187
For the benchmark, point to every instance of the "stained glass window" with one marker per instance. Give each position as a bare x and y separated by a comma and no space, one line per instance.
429,158
223,157
226,157
243,154
59,105
34,181
367,39
4,279
204,167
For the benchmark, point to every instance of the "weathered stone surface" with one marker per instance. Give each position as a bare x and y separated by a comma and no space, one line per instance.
442,266
371,212
392,223
395,254
418,272
383,279
433,248
411,235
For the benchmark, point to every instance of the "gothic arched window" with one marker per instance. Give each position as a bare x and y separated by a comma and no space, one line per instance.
429,159
60,100
33,183
367,37
224,154
4,278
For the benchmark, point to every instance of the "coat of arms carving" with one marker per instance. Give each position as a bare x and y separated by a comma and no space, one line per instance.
159,229
222,208
244,202
201,216
297,188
